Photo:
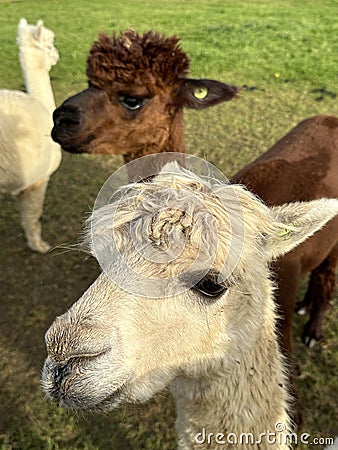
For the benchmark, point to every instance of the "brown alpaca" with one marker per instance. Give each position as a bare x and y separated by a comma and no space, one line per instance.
302,166
138,87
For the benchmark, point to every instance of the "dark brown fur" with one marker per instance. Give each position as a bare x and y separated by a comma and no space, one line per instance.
302,166
136,59
150,67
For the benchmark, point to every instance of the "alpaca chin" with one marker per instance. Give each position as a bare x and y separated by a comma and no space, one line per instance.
63,384
74,146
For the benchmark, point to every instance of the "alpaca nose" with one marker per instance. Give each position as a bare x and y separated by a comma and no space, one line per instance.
67,339
66,115
77,118
67,122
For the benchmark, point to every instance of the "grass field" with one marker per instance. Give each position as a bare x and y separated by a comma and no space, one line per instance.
285,53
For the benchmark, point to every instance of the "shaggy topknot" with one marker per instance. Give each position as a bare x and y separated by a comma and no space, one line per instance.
133,58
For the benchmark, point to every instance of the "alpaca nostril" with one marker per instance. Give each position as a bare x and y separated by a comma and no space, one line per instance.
66,340
60,372
60,368
66,116
63,354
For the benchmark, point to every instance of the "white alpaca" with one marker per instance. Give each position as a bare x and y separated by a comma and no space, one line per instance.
28,155
186,301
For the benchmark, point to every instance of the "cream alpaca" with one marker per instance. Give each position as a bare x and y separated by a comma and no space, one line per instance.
28,155
209,334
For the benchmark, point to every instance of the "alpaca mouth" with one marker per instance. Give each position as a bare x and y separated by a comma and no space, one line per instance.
77,402
111,401
81,147
63,385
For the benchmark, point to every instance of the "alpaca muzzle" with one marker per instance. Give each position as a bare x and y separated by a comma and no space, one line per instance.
67,128
74,119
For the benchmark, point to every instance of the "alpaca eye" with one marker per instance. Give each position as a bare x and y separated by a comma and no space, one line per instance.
132,103
210,288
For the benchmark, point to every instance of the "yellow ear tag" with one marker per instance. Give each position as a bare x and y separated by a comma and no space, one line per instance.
201,92
284,232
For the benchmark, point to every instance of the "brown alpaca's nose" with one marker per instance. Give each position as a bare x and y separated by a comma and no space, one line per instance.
67,123
77,117
69,130
66,115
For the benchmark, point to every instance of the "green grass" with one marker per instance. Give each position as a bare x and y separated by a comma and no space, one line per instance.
244,42
285,50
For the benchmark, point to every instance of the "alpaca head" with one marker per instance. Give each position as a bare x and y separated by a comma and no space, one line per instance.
37,42
138,86
185,288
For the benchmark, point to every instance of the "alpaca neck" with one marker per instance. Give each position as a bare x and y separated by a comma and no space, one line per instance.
247,395
36,75
174,144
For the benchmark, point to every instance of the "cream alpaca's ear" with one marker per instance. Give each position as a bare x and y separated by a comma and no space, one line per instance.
22,28
295,222
199,94
38,30
22,23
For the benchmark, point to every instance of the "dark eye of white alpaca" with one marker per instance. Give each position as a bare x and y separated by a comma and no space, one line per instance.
210,288
132,103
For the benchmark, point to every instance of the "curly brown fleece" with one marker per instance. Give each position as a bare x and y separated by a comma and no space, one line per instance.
136,59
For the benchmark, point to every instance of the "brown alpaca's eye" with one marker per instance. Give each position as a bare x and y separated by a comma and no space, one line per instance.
210,288
132,103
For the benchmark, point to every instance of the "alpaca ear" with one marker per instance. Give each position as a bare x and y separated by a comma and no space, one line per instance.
199,94
22,29
38,30
295,222
22,23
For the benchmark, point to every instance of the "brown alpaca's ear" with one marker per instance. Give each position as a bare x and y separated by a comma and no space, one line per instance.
199,94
